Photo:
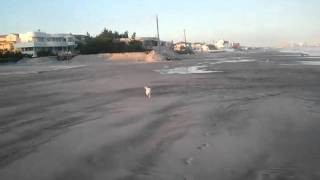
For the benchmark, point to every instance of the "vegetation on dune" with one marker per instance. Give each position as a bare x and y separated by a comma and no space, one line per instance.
8,56
45,53
109,42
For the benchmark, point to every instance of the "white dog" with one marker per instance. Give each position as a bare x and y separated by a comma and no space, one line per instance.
147,92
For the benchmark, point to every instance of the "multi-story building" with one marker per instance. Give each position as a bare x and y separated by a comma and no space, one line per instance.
79,38
148,43
222,44
183,47
33,42
235,45
7,41
197,47
203,47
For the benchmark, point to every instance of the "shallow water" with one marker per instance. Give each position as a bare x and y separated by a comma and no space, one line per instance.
187,70
316,63
312,51
234,61
312,57
309,63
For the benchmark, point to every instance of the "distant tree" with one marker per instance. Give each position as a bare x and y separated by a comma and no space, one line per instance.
135,46
9,56
126,34
106,35
105,43
116,35
133,36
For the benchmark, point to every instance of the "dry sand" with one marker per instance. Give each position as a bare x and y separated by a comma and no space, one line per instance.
151,56
134,56
258,120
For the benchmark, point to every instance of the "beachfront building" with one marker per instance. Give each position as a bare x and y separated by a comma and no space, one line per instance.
222,44
182,47
150,42
33,42
209,48
80,38
202,47
235,45
123,40
7,42
197,47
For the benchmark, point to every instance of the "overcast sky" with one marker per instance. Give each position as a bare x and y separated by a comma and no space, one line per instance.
251,22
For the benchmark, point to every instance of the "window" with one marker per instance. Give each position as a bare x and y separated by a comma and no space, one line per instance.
28,49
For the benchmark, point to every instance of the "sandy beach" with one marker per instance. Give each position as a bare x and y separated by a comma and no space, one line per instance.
243,115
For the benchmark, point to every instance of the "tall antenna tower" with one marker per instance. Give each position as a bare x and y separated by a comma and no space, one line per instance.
185,37
158,34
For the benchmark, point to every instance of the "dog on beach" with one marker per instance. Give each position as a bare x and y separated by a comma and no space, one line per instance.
147,92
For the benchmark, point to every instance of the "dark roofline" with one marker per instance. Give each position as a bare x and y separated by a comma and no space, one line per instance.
4,35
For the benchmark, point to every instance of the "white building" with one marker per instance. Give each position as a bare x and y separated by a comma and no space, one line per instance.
202,47
33,42
182,47
222,44
197,47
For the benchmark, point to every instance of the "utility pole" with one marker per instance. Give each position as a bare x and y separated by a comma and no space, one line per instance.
158,34
185,37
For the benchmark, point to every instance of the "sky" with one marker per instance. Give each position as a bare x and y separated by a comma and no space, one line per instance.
250,22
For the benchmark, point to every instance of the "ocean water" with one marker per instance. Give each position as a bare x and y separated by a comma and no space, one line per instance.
311,51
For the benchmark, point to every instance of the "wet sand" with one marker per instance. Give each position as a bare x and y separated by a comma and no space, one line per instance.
252,116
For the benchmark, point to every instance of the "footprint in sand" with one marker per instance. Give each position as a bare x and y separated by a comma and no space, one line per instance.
203,146
188,161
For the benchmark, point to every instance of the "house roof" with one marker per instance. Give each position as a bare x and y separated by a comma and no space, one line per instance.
3,36
182,42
